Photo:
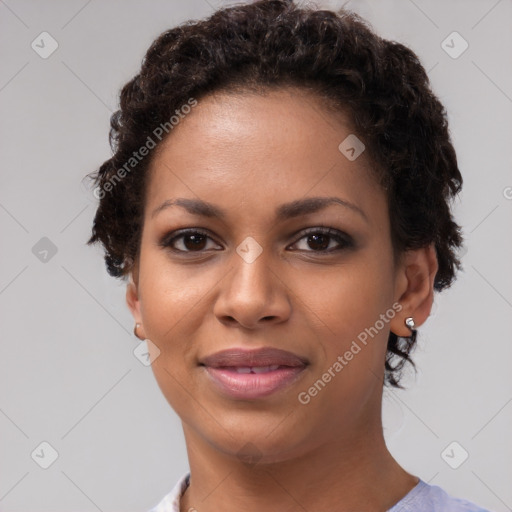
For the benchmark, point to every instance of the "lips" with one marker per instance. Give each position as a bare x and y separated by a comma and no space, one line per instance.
254,369
253,374
260,358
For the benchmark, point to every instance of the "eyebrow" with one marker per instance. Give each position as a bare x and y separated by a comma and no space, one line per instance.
283,212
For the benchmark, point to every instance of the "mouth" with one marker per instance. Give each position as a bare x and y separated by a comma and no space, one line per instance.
255,374
252,369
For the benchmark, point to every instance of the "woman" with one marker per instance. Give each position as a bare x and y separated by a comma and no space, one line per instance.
278,198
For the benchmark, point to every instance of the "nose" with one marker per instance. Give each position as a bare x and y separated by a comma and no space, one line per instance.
252,295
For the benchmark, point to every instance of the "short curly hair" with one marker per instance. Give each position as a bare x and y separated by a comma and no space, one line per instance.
380,84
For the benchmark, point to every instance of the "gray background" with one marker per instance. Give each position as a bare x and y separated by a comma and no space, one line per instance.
67,369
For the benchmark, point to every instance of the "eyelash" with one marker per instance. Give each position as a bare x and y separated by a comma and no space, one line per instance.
344,240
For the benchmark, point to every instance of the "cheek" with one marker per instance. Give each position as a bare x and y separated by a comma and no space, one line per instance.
354,340
347,297
169,293
171,301
354,304
175,306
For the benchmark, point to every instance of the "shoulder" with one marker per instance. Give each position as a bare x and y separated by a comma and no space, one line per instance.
431,498
171,501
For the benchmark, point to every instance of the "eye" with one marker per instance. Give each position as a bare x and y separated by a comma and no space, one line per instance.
189,240
320,239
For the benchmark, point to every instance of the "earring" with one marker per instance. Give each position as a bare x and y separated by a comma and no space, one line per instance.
409,322
137,325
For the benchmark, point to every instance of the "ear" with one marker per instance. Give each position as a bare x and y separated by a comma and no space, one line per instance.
133,300
414,288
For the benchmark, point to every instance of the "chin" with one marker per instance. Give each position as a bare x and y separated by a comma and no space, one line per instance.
261,442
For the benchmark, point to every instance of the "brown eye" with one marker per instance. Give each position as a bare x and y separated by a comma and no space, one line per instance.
324,240
318,242
194,242
187,241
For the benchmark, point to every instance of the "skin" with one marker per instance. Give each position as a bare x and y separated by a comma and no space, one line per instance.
248,154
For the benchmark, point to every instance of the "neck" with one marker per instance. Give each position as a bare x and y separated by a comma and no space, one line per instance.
344,473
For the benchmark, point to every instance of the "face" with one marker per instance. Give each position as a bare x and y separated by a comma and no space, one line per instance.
266,267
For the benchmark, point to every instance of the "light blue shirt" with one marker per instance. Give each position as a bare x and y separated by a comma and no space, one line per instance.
421,498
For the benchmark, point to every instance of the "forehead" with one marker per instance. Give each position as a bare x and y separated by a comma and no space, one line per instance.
260,149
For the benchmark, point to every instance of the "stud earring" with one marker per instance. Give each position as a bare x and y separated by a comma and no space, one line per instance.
409,322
